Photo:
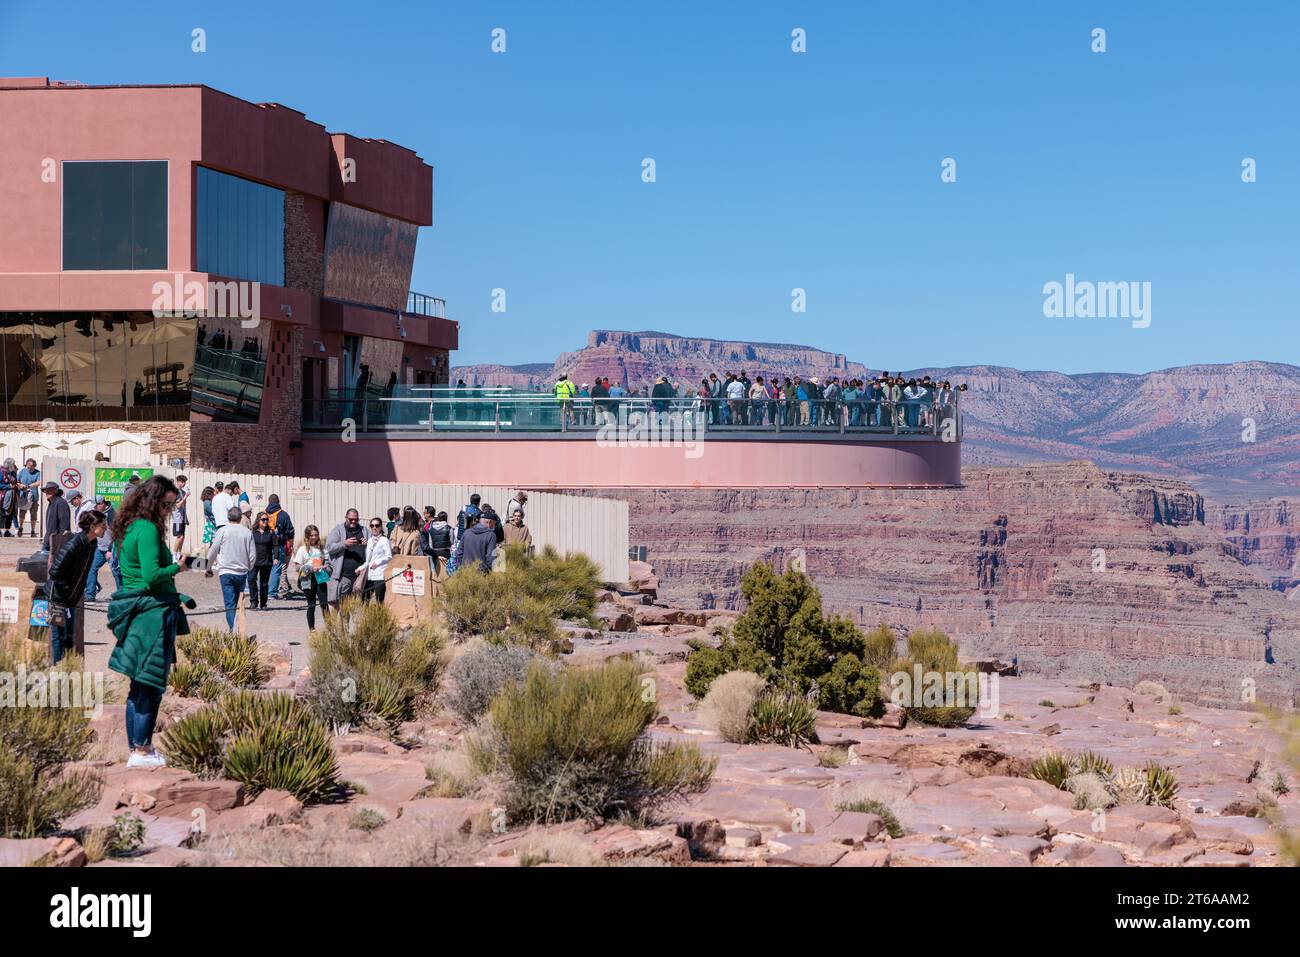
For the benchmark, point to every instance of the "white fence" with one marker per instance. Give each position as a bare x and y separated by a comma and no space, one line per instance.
572,523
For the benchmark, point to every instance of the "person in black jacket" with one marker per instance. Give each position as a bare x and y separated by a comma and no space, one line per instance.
58,516
264,544
67,581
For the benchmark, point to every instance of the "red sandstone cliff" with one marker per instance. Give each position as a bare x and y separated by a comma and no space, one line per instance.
1077,571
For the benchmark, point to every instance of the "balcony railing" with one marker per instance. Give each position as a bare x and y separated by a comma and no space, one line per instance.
419,304
440,409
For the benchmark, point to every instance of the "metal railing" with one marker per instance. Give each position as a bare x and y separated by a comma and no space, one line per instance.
441,409
417,303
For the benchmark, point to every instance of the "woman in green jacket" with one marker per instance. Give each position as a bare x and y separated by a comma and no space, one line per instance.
146,614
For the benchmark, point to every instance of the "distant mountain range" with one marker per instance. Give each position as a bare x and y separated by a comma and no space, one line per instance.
1232,430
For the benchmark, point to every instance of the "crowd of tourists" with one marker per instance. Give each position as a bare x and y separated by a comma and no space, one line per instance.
887,401
259,554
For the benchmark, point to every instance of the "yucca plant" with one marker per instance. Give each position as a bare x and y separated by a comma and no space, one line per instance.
367,671
263,741
194,742
1128,786
1090,762
211,662
1052,767
783,716
1161,787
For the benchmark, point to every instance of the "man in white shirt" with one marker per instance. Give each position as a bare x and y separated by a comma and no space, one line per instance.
222,503
232,555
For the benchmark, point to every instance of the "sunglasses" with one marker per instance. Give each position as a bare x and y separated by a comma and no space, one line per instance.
375,525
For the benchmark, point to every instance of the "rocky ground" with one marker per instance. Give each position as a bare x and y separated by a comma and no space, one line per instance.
960,795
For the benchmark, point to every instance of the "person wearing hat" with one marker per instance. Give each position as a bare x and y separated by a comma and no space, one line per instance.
58,516
80,506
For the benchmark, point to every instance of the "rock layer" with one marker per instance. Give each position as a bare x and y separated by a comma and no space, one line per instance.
1074,571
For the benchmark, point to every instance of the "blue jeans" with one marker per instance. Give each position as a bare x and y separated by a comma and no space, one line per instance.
141,714
61,641
277,567
116,570
92,579
232,586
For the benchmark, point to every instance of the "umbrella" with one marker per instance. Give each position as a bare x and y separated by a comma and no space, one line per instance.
162,331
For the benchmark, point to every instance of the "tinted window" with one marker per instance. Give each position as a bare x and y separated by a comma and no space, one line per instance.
240,232
115,215
97,367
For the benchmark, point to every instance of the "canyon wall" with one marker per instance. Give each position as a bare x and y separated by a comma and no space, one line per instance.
1075,571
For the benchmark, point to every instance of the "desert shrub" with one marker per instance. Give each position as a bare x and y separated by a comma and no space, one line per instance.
1175,708
1089,790
1047,703
784,636
126,835
481,671
851,687
879,647
520,602
36,790
447,784
564,584
833,758
1154,689
210,662
571,744
1053,768
936,654
367,671
367,819
782,715
727,706
869,805
1279,785
263,741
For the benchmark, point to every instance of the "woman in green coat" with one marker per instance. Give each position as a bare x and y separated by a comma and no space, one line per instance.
146,614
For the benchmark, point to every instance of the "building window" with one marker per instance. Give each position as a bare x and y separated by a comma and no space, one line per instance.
229,371
95,367
115,215
240,231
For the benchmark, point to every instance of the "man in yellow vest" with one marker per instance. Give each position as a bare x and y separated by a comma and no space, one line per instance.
564,393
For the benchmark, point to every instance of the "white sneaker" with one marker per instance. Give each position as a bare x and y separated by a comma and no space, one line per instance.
151,760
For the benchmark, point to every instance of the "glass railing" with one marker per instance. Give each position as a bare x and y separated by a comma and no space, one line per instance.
420,304
444,409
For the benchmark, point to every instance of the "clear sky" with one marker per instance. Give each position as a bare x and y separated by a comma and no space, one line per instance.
778,170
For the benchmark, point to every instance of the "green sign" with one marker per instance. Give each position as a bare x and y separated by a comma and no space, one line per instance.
110,482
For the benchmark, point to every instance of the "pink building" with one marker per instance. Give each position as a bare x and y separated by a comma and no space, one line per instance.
235,280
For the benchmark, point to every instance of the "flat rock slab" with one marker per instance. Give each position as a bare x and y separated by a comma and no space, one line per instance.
810,855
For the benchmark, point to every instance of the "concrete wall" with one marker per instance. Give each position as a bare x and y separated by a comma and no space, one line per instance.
556,462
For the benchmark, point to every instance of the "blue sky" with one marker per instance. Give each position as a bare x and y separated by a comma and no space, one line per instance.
778,170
